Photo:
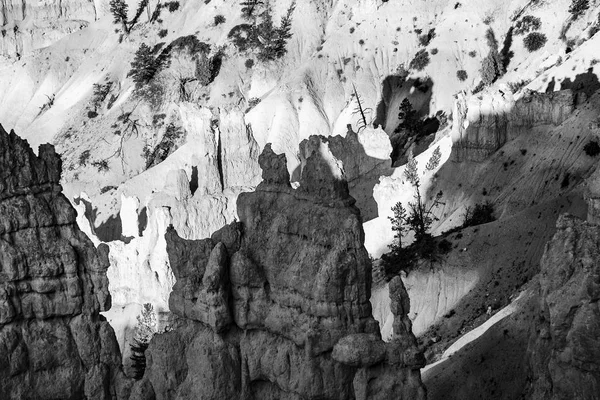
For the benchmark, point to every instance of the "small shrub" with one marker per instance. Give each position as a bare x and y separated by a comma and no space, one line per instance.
249,63
445,246
472,54
592,148
434,52
84,158
425,39
92,114
172,6
578,7
253,102
462,75
101,165
420,61
481,213
534,41
162,33
527,24
219,19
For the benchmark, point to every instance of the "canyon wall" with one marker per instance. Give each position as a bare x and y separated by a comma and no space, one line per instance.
484,124
53,342
27,25
277,304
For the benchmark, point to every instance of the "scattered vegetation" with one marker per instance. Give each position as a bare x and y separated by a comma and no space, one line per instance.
48,104
172,6
219,19
592,148
100,92
481,213
146,328
426,38
101,165
491,65
168,143
84,157
527,24
420,61
253,102
119,9
262,35
578,7
417,218
249,7
534,41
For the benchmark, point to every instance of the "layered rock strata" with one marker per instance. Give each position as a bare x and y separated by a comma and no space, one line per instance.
483,125
53,342
277,304
27,25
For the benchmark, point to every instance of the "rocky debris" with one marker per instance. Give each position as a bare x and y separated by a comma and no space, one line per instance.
564,349
52,287
483,125
277,305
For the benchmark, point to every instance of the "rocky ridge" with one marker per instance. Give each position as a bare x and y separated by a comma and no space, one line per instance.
277,304
53,286
485,124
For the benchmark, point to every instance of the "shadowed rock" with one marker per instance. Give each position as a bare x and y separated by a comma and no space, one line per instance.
53,342
298,289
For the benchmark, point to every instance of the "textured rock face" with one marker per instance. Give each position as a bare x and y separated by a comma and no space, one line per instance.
52,21
365,157
52,287
565,351
277,305
484,125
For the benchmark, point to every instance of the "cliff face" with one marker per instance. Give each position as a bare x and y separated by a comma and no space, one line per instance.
28,25
277,305
53,343
482,126
564,349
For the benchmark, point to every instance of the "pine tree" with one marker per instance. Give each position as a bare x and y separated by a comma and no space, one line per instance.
144,66
283,33
408,117
143,4
118,9
145,329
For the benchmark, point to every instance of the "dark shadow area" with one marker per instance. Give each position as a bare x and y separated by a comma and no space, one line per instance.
584,83
506,54
398,87
108,231
551,86
361,170
194,180
142,220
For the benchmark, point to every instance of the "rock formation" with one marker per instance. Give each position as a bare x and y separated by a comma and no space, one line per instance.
53,342
365,156
277,304
483,125
564,349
